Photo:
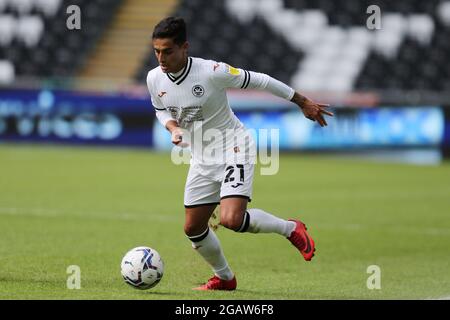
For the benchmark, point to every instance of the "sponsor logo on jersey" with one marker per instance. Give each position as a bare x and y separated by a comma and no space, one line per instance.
216,66
198,91
162,94
186,115
232,70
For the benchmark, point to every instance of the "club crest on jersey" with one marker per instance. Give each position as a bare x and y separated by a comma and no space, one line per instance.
198,91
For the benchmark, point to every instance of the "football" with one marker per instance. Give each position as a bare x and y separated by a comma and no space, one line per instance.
142,268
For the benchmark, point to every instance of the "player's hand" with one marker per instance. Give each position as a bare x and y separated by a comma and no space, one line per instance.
177,137
315,111
311,110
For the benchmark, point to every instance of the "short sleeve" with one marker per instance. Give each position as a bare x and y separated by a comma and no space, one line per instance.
156,102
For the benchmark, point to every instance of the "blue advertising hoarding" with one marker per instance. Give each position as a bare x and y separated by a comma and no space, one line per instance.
348,129
71,117
118,119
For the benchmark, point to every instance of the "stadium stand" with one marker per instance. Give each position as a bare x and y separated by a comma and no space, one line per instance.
34,38
314,45
321,45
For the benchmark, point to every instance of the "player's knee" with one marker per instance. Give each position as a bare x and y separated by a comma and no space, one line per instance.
231,219
192,230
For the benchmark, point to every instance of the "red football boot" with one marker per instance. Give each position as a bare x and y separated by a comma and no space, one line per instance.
215,283
302,241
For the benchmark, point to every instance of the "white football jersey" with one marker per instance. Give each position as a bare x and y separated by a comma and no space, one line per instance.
196,98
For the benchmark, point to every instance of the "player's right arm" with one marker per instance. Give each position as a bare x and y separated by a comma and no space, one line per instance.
164,117
175,131
170,124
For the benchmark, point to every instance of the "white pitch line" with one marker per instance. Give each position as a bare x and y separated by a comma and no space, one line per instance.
52,213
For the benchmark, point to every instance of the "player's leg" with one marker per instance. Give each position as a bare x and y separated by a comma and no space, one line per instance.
236,191
234,215
196,219
261,221
201,198
206,243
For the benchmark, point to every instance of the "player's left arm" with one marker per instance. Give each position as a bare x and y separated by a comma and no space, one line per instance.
227,76
311,110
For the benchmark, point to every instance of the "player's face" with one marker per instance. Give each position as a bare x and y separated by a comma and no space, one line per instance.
171,57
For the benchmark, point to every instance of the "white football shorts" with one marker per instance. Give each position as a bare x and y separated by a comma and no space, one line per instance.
208,184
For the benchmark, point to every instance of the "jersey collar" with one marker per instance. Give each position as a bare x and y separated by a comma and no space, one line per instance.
180,78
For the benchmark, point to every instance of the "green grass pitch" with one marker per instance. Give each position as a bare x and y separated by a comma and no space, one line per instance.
62,206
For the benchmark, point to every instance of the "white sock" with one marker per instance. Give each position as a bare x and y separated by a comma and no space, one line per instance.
263,222
208,246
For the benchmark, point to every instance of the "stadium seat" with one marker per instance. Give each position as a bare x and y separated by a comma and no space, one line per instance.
6,72
421,28
7,27
49,7
29,30
22,7
443,11
3,5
